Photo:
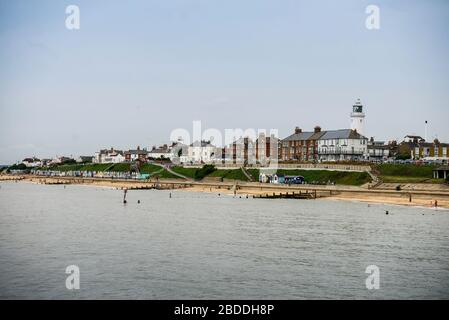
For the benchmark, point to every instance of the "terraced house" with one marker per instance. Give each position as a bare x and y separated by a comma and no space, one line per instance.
380,151
435,150
266,149
262,150
136,154
241,151
301,146
342,145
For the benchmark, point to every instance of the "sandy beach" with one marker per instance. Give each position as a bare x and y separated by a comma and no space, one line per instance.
421,198
399,199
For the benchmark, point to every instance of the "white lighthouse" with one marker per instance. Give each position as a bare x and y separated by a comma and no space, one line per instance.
358,117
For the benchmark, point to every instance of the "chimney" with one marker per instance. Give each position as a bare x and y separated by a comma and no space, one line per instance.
138,148
317,129
298,130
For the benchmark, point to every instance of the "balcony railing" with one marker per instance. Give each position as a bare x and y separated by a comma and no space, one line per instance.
333,151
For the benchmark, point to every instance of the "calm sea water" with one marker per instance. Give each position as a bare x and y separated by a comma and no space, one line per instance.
197,245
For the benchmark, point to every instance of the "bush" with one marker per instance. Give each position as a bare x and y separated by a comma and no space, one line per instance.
68,161
403,156
204,171
19,166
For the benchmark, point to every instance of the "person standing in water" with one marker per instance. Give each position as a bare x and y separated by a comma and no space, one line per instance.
124,195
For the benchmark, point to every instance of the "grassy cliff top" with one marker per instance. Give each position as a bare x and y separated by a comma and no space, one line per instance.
406,173
401,173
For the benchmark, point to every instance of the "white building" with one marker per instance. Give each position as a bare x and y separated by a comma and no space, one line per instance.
358,118
59,160
413,139
109,156
163,152
201,152
342,145
379,150
32,162
179,152
345,144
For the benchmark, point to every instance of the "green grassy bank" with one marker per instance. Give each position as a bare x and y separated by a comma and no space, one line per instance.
397,173
311,176
406,173
325,176
147,168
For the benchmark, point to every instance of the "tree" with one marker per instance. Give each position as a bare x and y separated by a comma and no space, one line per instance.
69,161
403,156
19,166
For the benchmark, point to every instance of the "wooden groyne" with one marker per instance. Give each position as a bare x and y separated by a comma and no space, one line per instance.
11,178
287,195
157,186
55,182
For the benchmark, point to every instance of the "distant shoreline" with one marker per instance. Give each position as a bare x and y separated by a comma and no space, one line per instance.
419,198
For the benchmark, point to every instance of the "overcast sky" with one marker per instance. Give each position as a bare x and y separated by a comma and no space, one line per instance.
136,70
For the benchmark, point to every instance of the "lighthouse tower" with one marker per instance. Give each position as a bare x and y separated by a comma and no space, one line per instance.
358,117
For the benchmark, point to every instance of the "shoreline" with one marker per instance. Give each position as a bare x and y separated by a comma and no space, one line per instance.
419,198
418,201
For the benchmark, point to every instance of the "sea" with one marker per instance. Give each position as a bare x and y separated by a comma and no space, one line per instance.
176,244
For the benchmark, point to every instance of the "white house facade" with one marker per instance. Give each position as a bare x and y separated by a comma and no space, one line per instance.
378,151
109,156
32,162
341,145
163,152
201,152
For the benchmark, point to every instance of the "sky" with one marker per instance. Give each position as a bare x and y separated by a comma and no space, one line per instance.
137,70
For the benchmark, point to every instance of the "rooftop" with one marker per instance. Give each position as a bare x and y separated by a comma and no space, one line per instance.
202,144
138,151
306,135
159,150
